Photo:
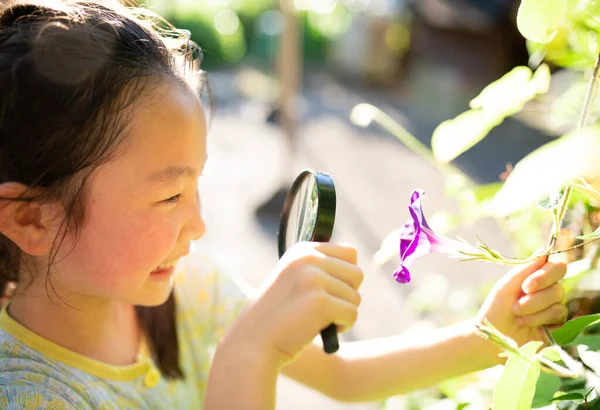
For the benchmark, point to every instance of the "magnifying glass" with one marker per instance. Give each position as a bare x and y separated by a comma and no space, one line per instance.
308,215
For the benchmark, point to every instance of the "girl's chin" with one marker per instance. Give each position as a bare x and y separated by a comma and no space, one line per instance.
154,294
152,301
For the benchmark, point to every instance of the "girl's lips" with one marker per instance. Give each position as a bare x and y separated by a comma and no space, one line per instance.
162,273
165,270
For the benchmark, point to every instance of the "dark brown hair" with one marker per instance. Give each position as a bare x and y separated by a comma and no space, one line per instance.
68,71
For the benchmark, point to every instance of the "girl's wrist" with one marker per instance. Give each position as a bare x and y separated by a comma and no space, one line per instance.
250,345
242,375
486,351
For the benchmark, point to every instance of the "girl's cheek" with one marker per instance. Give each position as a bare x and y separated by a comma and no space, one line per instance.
126,261
120,252
158,242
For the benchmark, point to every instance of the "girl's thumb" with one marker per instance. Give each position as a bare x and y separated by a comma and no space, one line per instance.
513,280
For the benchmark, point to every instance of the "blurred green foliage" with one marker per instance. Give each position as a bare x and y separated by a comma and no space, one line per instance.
231,32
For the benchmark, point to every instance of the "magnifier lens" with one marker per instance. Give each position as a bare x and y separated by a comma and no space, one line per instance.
303,213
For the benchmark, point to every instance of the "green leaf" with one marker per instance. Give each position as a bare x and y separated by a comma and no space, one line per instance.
552,202
546,387
593,235
594,404
500,99
550,353
453,137
585,190
574,385
506,95
579,395
539,20
589,7
569,396
591,340
516,388
548,168
573,47
570,330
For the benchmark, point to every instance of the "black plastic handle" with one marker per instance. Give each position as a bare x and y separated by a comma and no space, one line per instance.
330,339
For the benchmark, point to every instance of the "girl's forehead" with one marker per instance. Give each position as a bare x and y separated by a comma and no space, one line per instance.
168,113
167,127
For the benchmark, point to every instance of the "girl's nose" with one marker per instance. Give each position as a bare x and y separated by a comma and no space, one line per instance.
200,227
195,227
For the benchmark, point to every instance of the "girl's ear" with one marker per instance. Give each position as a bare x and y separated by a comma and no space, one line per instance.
29,224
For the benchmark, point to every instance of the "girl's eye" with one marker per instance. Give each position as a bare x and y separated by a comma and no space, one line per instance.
173,199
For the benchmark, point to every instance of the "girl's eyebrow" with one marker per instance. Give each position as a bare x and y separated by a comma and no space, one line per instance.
172,173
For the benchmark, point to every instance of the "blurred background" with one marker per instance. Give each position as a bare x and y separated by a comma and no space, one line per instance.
285,77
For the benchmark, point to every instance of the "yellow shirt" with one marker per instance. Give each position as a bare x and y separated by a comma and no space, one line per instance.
38,374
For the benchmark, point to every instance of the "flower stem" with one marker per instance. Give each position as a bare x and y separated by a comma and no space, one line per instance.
589,97
583,118
512,260
585,112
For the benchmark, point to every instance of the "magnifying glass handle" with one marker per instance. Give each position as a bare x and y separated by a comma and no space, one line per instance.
330,339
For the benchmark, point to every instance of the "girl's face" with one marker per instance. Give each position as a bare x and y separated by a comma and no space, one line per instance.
142,208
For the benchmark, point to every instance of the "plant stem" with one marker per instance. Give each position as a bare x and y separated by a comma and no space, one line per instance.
583,118
589,96
512,260
585,112
556,369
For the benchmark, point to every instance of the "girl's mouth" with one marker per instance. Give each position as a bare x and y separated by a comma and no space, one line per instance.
164,270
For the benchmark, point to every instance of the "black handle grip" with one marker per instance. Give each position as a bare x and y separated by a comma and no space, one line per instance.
330,339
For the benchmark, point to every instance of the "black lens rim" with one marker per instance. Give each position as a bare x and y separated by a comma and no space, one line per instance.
326,207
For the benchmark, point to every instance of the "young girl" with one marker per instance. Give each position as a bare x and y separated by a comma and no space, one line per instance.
102,139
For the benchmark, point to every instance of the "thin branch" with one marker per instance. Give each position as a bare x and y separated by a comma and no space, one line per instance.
585,112
517,261
550,367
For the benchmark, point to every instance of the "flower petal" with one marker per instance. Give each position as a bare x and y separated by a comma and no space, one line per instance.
402,275
418,239
407,235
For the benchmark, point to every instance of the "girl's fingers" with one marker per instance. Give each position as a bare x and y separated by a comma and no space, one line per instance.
315,280
341,251
555,314
341,269
545,277
511,283
538,301
343,314
341,290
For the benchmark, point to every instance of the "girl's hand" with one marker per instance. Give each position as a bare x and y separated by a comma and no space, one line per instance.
312,286
526,298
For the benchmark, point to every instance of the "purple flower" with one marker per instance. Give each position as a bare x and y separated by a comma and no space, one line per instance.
418,239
